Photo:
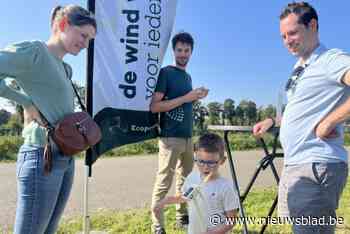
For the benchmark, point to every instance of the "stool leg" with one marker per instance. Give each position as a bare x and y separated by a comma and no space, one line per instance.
269,215
235,183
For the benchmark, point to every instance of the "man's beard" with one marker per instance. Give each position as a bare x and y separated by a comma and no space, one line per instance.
182,64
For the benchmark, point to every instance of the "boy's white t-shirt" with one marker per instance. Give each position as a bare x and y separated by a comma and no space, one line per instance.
209,202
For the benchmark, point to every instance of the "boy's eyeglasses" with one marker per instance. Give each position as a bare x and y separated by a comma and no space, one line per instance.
296,74
209,163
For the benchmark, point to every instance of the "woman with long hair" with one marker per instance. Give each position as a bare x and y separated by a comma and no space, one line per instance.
38,68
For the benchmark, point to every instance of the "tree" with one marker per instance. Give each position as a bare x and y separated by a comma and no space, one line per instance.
4,116
214,109
229,110
14,124
243,108
269,111
199,113
239,115
251,112
18,108
260,113
82,93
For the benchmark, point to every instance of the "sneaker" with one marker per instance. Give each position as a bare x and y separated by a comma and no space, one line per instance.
159,230
182,222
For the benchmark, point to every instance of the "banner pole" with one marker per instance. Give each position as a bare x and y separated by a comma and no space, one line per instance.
89,104
86,224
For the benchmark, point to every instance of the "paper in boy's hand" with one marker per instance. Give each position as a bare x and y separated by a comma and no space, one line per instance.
188,195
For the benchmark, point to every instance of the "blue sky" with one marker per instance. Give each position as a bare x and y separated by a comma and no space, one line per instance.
238,50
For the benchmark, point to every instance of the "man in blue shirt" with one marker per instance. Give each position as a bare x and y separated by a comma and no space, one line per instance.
311,134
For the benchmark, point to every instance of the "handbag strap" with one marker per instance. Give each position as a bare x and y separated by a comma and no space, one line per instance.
50,128
69,76
68,72
77,95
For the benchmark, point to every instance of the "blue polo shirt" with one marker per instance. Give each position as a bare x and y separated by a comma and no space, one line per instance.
317,92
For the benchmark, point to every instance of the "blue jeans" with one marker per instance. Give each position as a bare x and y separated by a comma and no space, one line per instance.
41,198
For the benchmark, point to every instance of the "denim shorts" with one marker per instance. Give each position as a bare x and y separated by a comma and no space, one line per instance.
311,190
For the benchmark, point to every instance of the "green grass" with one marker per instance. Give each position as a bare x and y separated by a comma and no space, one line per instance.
145,147
9,146
138,221
344,210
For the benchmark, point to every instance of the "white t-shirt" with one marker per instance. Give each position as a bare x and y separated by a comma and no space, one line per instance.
208,202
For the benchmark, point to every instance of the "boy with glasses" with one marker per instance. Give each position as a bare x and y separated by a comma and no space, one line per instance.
173,99
211,198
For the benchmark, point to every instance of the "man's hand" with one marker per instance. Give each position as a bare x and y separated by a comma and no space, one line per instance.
31,113
325,130
196,94
261,127
204,92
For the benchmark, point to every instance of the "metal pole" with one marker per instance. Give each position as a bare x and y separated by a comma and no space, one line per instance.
86,224
89,104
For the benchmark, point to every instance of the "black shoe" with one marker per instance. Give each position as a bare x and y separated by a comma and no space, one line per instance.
182,222
159,230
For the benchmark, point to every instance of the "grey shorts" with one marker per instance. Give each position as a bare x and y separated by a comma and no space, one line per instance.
311,190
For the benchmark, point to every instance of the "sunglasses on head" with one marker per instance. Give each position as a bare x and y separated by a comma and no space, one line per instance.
209,163
296,74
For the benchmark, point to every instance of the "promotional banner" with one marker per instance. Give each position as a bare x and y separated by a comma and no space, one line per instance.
132,38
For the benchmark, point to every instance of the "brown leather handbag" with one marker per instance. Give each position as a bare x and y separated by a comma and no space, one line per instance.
73,134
